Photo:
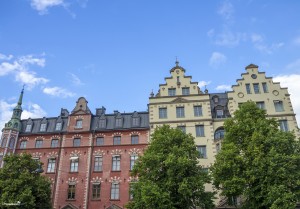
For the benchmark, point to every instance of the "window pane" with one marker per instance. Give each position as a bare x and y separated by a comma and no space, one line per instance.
23,144
219,113
182,128
134,139
135,121
283,125
133,158
43,127
99,141
58,127
117,140
248,88
79,124
28,128
51,165
202,151
76,142
199,130
115,190
219,134
38,143
71,192
260,105
197,111
185,91
96,191
74,166
54,143
278,106
256,88
172,92
162,112
180,112
265,87
116,163
98,164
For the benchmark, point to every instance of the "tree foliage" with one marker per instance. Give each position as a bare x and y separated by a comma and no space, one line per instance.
169,176
21,183
258,162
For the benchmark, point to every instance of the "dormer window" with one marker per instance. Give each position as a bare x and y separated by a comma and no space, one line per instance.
58,126
102,123
118,122
28,128
78,124
216,99
136,121
43,127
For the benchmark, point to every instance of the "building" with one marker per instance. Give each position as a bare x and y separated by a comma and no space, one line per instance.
88,157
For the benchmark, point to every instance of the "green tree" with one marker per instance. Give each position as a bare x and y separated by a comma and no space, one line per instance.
169,176
20,182
258,162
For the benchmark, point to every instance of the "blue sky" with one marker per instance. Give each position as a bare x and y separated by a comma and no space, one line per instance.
116,52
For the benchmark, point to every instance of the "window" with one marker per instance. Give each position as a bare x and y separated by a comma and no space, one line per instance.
278,106
219,113
185,91
219,134
182,128
71,192
102,123
260,105
11,143
78,124
163,113
99,141
135,121
76,142
256,88
133,158
199,130
202,151
248,88
216,99
28,128
265,87
116,160
98,164
117,140
43,127
54,143
172,92
180,112
283,125
58,126
96,191
23,144
197,111
74,165
115,191
38,143
51,165
134,139
118,122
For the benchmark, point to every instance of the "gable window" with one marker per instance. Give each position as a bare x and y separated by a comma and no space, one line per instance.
248,89
78,124
51,165
43,127
115,191
116,161
256,88
23,144
54,143
265,87
162,112
76,142
199,130
96,191
278,106
58,126
180,112
172,92
38,143
98,163
117,140
28,128
185,91
133,158
201,151
283,125
260,105
134,139
71,192
74,165
99,141
102,123
118,122
197,111
182,128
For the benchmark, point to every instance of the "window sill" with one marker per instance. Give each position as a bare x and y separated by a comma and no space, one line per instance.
73,171
70,199
114,199
115,170
50,172
98,171
77,128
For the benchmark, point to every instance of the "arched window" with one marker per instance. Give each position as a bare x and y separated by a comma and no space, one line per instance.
219,134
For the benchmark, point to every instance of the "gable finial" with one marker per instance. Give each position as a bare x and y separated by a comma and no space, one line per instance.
177,63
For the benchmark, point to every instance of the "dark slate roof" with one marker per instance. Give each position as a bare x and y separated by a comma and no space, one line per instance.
222,101
251,66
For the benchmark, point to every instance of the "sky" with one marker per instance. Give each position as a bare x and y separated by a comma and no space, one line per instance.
115,52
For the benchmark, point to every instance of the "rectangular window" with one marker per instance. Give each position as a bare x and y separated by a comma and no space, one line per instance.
248,89
96,191
260,105
51,165
172,92
133,158
135,121
43,127
78,124
283,124
76,142
256,88
265,87
185,91
74,166
54,143
117,140
134,139
102,123
182,128
199,130
220,113
278,106
119,122
28,128
115,191
71,192
162,112
38,143
197,111
99,141
58,126
116,161
180,112
98,164
202,151
23,144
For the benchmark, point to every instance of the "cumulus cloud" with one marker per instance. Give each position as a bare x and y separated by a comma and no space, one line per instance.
260,45
217,59
223,88
203,84
292,82
58,92
42,5
76,80
5,57
226,10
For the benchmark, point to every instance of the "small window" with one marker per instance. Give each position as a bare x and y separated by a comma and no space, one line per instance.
38,143
99,141
185,91
102,123
133,158
98,164
117,140
256,88
199,130
248,89
180,112
135,121
219,113
23,144
54,143
71,192
134,139
28,128
115,191
216,99
265,87
278,106
58,126
116,161
163,113
76,142
260,105
172,92
283,124
74,166
43,127
78,124
182,128
51,165
118,122
96,191
201,151
197,111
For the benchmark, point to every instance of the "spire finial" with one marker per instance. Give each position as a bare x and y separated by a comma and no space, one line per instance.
21,96
177,63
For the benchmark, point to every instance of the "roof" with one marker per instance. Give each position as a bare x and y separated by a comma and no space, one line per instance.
251,66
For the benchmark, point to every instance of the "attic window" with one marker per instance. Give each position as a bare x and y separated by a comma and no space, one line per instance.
78,124
43,127
216,99
28,128
118,122
136,121
58,126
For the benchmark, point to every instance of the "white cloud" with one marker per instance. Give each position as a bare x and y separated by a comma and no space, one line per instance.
30,79
226,10
203,84
227,37
76,80
5,57
223,88
292,82
217,59
42,5
58,92
33,111
5,112
260,45
256,38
